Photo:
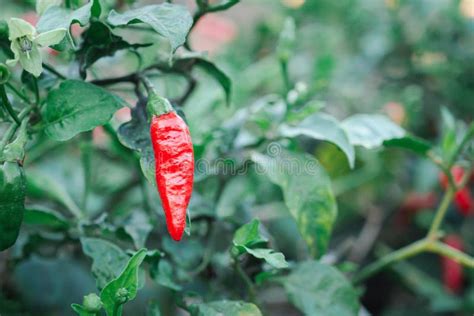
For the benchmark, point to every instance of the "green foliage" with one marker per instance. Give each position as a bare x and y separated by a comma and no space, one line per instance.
295,190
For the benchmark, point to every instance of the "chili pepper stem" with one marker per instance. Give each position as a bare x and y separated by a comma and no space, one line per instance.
6,103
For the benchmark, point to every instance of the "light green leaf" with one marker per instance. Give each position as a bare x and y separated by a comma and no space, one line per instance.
56,17
275,259
318,289
324,127
307,193
43,5
49,38
108,259
80,310
227,308
169,20
371,130
45,217
76,107
125,286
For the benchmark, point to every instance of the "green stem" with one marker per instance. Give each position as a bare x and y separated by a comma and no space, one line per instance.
18,93
36,90
286,75
440,213
6,103
247,280
398,255
116,311
54,71
450,252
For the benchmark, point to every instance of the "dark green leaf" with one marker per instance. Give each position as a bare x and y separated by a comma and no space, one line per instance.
45,217
127,282
108,259
227,308
98,42
12,202
324,127
415,144
248,235
138,227
163,275
169,20
135,134
318,289
76,107
371,130
307,193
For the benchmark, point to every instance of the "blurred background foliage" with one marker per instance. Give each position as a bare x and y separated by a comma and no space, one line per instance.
406,59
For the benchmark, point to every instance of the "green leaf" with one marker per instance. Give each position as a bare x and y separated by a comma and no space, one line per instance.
124,287
371,130
58,17
307,193
108,259
318,289
76,107
98,42
324,127
169,20
135,134
163,275
415,144
212,70
45,217
80,310
138,227
275,259
228,308
44,185
248,235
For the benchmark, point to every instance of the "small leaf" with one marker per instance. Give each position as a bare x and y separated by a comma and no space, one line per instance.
287,40
371,130
108,259
80,310
76,107
169,20
127,282
324,127
307,193
45,217
415,144
318,289
227,308
275,259
248,235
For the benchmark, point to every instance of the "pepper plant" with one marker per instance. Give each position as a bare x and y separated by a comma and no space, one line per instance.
80,91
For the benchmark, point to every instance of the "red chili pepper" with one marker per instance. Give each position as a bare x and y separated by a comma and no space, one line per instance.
452,271
174,163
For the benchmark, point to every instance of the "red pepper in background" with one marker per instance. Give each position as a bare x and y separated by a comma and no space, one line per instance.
174,163
462,198
414,202
452,271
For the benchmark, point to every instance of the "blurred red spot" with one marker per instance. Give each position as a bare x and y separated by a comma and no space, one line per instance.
452,271
212,32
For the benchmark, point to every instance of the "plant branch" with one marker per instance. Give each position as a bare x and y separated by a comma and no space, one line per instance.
440,213
12,129
18,93
450,252
133,78
6,103
246,279
54,71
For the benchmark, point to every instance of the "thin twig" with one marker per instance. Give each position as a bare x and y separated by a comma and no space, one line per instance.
54,71
6,103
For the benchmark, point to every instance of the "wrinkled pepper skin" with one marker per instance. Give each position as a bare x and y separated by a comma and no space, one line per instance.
174,162
12,199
